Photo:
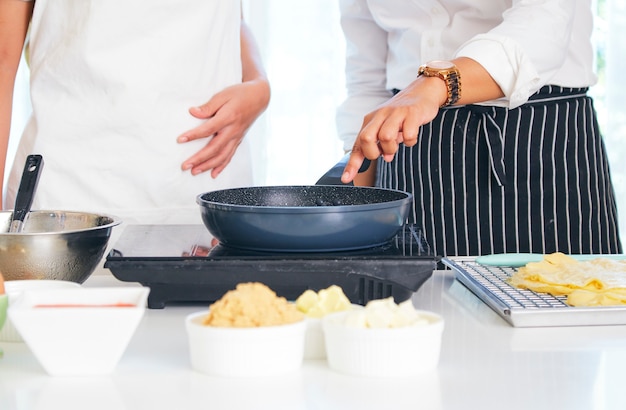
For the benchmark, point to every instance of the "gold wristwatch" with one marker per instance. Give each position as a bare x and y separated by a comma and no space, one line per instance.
448,72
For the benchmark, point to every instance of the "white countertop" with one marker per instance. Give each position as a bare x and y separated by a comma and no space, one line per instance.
485,364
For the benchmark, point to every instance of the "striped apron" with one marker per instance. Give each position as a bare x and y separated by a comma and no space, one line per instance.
490,180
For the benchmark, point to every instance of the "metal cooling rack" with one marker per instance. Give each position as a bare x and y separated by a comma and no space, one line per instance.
525,308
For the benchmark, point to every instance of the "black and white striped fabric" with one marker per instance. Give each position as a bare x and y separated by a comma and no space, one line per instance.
531,179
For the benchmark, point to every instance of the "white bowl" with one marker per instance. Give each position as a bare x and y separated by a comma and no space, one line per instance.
383,352
244,352
76,332
14,289
314,345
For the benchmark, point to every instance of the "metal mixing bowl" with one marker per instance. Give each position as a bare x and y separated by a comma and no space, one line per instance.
54,245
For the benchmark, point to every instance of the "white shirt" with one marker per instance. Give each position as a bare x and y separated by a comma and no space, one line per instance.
111,85
523,44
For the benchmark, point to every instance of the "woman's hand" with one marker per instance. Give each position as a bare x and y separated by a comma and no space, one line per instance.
229,114
396,121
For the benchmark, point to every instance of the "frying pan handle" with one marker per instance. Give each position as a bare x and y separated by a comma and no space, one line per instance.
28,185
333,175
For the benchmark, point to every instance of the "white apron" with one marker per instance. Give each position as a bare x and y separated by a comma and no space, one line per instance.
111,85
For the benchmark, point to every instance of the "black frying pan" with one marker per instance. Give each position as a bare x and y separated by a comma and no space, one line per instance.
308,218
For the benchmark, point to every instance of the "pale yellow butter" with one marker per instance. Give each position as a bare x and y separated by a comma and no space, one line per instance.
385,313
329,300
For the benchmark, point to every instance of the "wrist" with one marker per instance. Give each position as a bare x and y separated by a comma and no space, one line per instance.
447,74
435,89
261,86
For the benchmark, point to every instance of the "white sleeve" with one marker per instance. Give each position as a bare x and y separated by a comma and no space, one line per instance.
525,51
366,58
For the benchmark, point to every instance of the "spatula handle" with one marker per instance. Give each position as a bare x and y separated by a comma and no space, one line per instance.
28,185
516,260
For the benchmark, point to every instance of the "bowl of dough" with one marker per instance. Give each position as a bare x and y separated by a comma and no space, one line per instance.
249,332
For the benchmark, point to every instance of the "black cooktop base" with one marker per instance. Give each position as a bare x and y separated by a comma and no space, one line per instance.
184,264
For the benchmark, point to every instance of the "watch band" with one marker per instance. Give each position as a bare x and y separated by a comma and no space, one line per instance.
449,73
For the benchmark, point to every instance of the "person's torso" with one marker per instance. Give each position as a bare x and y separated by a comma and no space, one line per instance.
111,85
424,30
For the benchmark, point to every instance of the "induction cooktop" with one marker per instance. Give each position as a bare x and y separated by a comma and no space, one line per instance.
185,264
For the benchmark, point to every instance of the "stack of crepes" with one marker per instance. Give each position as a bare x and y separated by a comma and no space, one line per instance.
596,282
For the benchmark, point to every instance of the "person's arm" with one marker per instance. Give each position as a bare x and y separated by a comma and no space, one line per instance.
14,20
530,46
510,62
365,68
366,75
252,65
398,120
229,113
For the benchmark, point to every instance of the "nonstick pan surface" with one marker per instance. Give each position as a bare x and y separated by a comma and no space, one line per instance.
307,218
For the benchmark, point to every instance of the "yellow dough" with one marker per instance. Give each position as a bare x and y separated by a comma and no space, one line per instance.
252,305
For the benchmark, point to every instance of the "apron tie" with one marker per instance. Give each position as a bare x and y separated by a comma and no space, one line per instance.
490,130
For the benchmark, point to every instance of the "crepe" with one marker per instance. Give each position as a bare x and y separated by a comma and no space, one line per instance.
597,282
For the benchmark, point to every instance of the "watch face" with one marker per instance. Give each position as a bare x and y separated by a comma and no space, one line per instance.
440,65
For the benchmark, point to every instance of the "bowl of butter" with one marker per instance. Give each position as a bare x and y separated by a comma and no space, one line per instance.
383,339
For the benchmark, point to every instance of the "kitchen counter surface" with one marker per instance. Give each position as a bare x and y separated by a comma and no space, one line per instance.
485,364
